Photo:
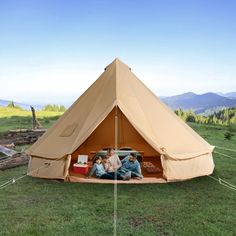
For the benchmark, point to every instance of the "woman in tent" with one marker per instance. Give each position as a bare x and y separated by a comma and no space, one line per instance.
114,160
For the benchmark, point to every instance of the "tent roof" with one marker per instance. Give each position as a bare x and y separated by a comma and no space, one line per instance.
117,85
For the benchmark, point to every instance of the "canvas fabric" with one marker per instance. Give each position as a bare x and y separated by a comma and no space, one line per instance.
186,153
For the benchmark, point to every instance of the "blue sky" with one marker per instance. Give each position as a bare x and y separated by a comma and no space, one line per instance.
52,50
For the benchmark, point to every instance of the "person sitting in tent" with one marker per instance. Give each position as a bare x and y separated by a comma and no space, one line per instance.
100,172
107,164
113,159
130,163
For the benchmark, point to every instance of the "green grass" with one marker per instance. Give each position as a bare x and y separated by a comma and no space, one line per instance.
196,207
13,118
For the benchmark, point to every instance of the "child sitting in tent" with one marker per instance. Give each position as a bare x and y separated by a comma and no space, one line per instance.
107,164
100,172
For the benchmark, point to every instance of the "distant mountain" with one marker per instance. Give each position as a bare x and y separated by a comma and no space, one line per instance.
4,103
199,103
24,106
230,95
227,95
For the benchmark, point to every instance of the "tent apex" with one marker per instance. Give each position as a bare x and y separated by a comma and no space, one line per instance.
117,62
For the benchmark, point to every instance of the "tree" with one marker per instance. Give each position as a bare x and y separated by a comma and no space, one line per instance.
190,116
54,108
62,108
11,104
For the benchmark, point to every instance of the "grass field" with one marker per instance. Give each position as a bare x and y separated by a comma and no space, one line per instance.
196,207
13,118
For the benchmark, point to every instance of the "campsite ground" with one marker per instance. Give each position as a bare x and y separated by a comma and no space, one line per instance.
196,207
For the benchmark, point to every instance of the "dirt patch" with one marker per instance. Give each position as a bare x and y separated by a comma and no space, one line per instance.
139,220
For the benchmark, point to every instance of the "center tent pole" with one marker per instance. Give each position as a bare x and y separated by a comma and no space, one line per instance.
116,129
115,181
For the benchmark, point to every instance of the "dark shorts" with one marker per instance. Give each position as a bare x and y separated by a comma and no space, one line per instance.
111,175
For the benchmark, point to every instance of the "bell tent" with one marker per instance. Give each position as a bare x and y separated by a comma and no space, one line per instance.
118,110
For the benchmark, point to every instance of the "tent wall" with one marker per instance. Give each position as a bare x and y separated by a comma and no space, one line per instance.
50,169
174,170
104,136
80,120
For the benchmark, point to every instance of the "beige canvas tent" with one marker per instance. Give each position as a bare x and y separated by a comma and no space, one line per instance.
119,110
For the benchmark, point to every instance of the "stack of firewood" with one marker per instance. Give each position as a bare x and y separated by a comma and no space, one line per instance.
21,136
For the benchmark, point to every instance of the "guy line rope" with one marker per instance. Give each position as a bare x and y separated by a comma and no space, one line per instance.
223,182
219,180
227,149
234,158
13,180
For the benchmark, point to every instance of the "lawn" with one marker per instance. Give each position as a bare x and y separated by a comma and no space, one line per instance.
14,118
196,207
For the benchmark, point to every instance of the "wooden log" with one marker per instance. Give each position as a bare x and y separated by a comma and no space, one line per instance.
17,159
19,137
36,123
9,145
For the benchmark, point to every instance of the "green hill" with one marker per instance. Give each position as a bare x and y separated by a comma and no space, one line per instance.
14,118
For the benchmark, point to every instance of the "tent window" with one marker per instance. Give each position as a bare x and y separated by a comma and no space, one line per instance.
69,130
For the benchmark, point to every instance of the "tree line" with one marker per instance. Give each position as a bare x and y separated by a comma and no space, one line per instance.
48,107
225,116
54,107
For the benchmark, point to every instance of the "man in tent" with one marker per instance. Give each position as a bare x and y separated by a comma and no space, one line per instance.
130,163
